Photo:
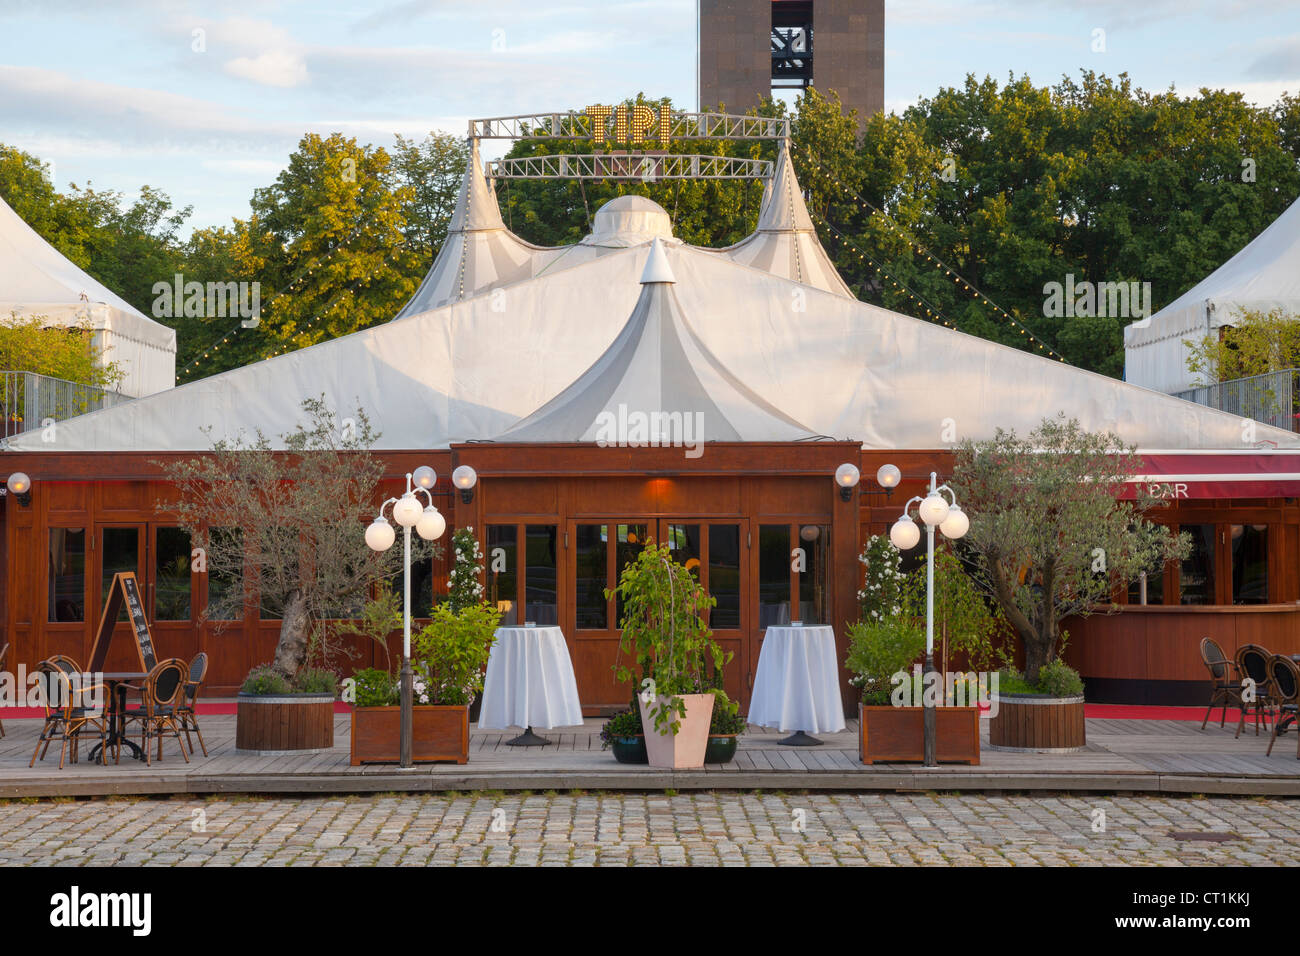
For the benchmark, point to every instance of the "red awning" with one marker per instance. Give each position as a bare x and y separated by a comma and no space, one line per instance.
1200,474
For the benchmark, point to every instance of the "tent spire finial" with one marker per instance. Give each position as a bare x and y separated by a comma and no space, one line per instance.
657,268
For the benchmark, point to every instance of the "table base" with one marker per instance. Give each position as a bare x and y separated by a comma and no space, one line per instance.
801,739
528,739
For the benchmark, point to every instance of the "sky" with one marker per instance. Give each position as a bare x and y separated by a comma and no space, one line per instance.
206,100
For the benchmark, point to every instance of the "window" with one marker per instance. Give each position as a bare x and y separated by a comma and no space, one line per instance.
1196,576
1155,589
591,608
503,571
773,575
1249,563
631,542
541,602
724,575
121,553
171,600
814,539
225,574
67,585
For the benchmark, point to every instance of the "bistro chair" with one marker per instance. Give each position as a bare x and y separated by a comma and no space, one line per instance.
4,652
163,691
1286,688
71,710
64,663
187,711
1252,662
1224,689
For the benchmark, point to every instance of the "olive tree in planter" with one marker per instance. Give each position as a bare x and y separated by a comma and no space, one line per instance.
448,656
280,527
674,652
1053,535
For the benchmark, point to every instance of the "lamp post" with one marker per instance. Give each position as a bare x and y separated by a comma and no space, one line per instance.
429,524
934,510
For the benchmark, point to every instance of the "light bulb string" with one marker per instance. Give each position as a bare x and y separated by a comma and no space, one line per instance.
935,260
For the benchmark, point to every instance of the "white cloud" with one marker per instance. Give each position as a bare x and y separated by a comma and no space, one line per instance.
271,68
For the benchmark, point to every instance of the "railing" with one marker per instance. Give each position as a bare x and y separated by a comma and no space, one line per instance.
28,400
1270,398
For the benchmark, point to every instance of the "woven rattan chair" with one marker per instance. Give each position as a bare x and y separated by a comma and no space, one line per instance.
1286,689
158,716
50,682
187,712
1225,689
1252,662
72,710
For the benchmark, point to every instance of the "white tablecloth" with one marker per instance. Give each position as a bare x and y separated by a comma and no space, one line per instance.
797,686
529,681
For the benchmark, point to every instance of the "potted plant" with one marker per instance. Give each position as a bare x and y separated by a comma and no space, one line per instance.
674,652
448,656
624,735
1057,528
724,729
275,715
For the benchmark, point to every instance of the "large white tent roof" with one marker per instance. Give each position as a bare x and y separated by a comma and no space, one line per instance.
1263,276
476,368
37,280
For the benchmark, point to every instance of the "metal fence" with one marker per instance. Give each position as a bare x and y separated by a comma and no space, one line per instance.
27,400
1269,398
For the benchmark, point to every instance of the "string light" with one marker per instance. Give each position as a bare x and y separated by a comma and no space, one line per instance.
938,263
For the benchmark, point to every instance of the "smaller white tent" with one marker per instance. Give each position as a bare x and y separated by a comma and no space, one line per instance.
1263,276
37,280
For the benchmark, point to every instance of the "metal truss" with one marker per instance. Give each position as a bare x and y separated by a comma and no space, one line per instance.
578,125
645,167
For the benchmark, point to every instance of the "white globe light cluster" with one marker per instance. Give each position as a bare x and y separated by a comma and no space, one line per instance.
935,511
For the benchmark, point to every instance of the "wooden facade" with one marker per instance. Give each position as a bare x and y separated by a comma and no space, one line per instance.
562,517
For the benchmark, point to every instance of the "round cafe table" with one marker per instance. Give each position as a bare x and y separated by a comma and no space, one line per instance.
529,684
797,686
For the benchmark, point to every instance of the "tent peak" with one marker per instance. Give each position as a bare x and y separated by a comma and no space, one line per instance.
657,268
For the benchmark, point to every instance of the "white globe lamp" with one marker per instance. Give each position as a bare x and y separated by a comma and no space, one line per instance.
407,511
956,524
933,509
380,535
888,476
905,534
431,524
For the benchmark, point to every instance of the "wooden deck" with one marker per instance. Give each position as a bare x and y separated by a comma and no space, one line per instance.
1122,756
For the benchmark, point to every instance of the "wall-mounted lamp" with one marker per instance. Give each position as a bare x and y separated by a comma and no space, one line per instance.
847,477
20,486
465,478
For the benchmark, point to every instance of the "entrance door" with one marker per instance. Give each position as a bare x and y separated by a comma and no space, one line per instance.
598,551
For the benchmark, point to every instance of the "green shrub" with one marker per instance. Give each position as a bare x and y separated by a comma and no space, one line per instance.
450,652
376,688
880,649
1011,681
265,681
626,724
316,680
726,715
1059,679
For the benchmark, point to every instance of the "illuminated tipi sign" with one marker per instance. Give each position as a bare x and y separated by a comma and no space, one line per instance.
630,125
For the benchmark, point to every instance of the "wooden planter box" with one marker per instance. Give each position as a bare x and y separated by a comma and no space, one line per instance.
1034,722
897,734
437,734
271,725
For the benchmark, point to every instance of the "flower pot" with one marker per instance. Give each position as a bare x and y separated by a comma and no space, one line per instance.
721,748
897,734
272,725
629,749
686,748
1037,723
438,733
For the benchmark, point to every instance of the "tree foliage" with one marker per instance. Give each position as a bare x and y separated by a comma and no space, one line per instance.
1256,343
301,514
1050,531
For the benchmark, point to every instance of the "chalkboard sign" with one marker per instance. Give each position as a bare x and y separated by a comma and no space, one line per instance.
124,592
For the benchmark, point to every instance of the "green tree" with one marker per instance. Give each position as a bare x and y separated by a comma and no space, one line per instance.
430,172
1257,343
1050,532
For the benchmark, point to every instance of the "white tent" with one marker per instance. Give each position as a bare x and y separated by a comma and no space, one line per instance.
480,254
1263,276
476,368
37,280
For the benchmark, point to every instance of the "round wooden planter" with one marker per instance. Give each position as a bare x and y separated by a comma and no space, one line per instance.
1035,722
283,724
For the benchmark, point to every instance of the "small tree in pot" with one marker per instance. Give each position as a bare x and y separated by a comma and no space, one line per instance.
674,651
1050,530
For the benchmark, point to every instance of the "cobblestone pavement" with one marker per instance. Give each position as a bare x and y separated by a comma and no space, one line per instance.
582,828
